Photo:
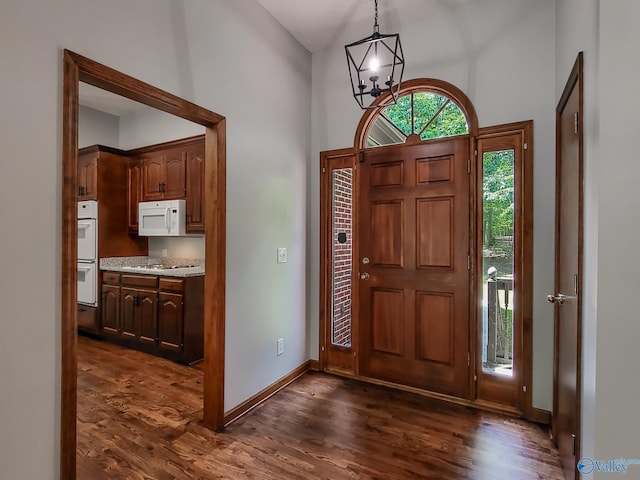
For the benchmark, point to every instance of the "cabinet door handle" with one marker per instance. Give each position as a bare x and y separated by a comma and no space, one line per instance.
80,190
161,187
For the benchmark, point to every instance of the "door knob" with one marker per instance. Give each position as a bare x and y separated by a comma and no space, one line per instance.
559,299
365,276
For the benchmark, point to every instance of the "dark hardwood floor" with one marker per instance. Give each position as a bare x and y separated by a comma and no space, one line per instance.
139,417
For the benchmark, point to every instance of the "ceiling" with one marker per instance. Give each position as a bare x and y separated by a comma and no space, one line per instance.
321,24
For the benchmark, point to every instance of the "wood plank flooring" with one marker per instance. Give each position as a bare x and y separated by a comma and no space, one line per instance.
139,417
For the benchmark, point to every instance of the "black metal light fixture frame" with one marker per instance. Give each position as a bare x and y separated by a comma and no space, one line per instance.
382,55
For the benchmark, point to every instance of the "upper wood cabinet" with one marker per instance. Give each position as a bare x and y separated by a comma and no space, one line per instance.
164,175
195,189
169,171
134,193
88,176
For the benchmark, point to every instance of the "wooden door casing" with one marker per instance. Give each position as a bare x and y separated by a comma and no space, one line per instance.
568,273
414,316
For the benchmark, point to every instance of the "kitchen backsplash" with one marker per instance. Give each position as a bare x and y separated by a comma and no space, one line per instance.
177,247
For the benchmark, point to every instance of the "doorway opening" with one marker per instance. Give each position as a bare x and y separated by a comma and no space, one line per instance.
81,69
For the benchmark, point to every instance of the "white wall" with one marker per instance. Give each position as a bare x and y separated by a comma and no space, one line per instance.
618,324
97,128
208,51
178,247
501,54
150,126
577,24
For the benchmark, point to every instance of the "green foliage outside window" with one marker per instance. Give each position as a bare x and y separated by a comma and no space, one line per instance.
497,186
427,114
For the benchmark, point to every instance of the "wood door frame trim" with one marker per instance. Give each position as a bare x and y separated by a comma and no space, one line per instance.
325,247
576,78
77,68
525,267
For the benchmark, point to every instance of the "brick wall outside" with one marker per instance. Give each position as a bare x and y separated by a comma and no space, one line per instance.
342,261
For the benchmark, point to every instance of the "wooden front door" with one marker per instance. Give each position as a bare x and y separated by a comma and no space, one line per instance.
413,265
568,274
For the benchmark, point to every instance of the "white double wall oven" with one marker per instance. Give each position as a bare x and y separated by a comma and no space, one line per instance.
88,253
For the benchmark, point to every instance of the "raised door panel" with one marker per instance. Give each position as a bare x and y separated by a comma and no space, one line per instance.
434,327
147,316
134,193
174,182
434,232
110,309
171,322
88,177
128,302
387,243
195,189
153,177
387,328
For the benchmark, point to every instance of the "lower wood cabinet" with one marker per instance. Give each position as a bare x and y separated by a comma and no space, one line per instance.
88,319
159,315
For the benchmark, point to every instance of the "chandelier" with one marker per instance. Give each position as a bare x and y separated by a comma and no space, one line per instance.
376,64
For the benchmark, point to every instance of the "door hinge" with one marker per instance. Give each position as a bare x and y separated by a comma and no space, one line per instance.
468,165
468,262
576,125
475,153
573,441
475,378
525,146
575,284
468,359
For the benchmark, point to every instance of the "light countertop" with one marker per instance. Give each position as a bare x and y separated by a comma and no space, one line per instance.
165,267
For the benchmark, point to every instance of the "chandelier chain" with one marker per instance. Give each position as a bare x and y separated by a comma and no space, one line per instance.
375,24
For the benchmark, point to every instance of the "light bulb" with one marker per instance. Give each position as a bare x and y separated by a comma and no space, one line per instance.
374,64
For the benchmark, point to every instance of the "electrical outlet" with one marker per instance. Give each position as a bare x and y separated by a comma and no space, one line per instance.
282,255
280,347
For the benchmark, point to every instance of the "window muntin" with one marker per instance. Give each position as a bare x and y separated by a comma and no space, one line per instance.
427,114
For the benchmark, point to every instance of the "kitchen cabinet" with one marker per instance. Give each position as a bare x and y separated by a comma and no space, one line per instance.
88,176
134,193
139,313
164,175
159,315
169,171
195,188
110,303
170,321
88,319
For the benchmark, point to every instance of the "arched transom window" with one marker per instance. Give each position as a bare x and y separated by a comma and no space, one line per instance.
428,115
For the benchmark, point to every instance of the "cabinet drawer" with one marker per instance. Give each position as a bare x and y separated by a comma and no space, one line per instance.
111,277
172,285
149,281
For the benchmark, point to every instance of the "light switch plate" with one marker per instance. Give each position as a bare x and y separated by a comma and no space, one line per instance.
282,255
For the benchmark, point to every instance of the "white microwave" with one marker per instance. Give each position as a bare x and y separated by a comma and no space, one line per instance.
164,218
